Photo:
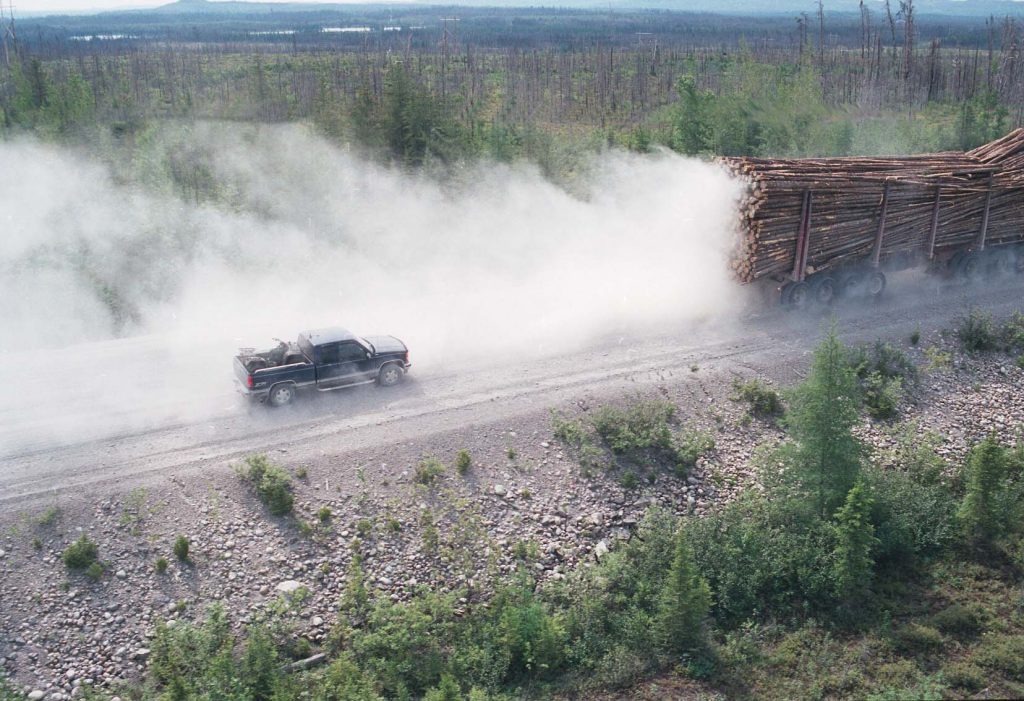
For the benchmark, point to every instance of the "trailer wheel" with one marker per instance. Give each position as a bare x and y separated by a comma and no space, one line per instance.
970,267
281,394
798,295
1004,263
851,285
875,284
823,290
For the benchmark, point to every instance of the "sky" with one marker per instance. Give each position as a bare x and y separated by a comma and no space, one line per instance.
36,7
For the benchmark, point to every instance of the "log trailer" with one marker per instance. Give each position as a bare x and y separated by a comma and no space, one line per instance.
815,230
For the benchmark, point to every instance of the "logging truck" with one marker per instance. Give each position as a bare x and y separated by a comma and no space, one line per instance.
815,230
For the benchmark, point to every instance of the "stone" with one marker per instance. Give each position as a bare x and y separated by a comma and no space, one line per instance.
121,574
289,586
36,695
499,490
600,550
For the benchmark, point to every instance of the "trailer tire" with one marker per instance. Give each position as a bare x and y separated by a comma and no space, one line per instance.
875,284
823,290
281,394
970,267
1004,263
798,294
851,284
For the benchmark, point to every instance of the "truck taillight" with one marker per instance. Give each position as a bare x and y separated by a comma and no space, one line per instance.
248,381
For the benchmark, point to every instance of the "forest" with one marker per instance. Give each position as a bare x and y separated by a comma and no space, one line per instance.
540,85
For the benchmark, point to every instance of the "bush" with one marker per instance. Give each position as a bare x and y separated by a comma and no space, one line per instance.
966,676
428,470
1003,654
977,332
81,554
981,513
629,480
463,461
916,639
572,432
763,400
95,571
272,484
324,514
882,395
642,427
913,516
883,359
181,548
690,447
959,620
1012,333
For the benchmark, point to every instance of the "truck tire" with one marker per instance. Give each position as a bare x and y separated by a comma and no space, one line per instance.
970,267
281,394
390,375
851,284
794,295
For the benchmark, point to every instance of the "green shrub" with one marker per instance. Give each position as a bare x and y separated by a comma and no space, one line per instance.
428,470
511,453
959,620
1012,333
883,359
48,517
629,480
463,461
1003,654
915,337
882,395
642,427
764,401
95,571
977,332
526,550
161,565
621,668
981,513
691,446
965,675
181,548
683,603
306,529
80,554
272,484
916,639
913,515
572,432
324,514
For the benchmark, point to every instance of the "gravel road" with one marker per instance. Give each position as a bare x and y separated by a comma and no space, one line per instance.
109,425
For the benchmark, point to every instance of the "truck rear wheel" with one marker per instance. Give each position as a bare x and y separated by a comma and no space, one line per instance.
282,394
389,375
823,290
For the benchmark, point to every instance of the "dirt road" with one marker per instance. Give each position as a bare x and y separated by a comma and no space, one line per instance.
108,424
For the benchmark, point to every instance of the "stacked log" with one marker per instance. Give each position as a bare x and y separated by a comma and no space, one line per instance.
848,195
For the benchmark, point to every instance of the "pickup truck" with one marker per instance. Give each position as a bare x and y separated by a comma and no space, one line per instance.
324,359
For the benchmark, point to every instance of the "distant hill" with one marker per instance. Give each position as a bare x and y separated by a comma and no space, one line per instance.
962,8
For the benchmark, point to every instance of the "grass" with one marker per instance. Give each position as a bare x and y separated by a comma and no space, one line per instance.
161,565
324,514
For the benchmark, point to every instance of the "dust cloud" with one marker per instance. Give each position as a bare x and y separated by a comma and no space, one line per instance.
125,297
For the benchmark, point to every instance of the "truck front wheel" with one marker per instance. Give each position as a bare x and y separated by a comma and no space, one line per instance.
389,375
281,395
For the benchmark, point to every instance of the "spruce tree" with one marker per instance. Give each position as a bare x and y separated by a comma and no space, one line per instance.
980,515
826,458
685,601
855,536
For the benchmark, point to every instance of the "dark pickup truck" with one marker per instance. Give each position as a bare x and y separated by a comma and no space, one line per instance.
324,360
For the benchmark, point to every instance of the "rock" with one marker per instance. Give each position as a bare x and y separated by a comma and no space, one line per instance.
36,695
2,554
600,550
499,490
289,586
317,621
121,574
141,654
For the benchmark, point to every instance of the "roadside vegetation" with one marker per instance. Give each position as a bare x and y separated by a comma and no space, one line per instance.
846,575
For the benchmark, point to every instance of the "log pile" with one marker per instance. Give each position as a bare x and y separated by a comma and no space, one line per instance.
848,196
